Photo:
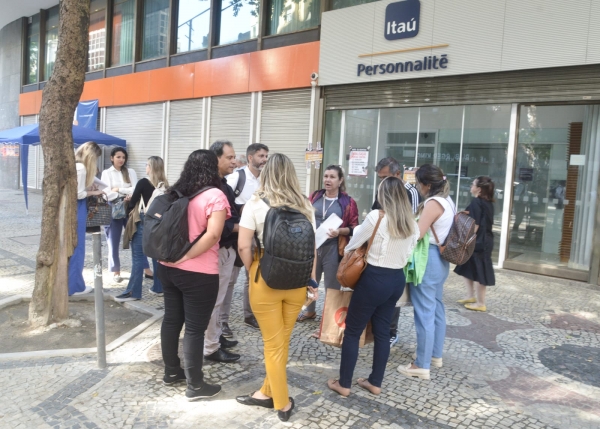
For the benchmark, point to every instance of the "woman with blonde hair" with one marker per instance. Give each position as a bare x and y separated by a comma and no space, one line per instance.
155,170
275,310
86,157
380,285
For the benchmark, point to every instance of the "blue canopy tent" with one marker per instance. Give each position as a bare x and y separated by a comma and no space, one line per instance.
30,135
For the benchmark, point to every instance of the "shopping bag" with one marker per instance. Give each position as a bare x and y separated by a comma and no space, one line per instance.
404,300
333,322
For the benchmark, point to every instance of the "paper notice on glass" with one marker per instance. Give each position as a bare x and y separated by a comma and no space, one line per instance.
100,184
332,222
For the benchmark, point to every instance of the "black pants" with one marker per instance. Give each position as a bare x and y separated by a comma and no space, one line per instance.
394,324
189,298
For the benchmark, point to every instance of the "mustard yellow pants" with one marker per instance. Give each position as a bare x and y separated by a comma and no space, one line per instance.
276,312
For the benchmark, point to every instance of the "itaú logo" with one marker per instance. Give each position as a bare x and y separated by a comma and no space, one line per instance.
402,19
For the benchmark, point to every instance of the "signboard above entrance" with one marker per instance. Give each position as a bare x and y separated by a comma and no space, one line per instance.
370,42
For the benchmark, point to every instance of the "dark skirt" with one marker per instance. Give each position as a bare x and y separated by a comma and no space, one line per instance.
478,268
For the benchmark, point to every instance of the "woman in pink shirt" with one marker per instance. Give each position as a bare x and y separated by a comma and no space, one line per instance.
191,284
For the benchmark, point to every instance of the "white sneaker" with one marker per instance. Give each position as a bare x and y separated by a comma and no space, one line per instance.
436,362
87,289
413,372
117,278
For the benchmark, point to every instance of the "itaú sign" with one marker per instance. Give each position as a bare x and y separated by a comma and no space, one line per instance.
402,19
432,62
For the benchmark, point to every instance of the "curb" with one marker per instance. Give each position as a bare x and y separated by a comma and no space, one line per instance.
135,306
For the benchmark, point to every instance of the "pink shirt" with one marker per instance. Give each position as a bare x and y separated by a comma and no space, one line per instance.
199,209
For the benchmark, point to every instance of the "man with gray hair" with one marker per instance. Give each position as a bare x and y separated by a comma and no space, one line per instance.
241,161
389,167
215,344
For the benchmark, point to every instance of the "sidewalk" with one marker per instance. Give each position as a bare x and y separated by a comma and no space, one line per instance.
532,361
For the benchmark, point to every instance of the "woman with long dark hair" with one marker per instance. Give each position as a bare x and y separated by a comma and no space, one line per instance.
332,199
380,285
478,271
436,216
191,284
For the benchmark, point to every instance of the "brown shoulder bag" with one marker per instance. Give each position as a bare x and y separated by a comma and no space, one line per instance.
354,262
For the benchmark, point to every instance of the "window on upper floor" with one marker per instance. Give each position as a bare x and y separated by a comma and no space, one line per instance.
51,40
33,49
193,23
97,35
155,29
340,4
123,32
239,21
287,16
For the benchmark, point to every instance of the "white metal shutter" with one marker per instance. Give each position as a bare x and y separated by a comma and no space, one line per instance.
33,156
285,126
230,120
185,135
141,127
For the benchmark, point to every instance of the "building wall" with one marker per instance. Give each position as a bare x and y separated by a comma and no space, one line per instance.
10,88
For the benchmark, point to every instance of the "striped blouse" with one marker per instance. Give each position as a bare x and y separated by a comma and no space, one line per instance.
386,251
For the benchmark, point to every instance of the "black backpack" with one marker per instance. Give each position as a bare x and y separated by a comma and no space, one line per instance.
289,249
241,182
166,233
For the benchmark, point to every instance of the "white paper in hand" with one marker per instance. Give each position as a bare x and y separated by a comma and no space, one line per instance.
332,222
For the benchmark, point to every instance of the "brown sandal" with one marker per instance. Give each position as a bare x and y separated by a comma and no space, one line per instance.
304,316
364,383
334,384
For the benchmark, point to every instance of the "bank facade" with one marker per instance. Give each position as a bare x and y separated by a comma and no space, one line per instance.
505,88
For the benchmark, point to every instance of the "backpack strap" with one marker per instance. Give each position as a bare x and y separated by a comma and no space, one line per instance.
241,182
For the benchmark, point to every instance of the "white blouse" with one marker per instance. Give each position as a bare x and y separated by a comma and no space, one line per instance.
386,251
81,176
443,224
114,179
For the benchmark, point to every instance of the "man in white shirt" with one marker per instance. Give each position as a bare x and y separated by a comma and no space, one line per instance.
244,183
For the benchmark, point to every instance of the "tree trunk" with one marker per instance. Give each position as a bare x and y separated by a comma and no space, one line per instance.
59,213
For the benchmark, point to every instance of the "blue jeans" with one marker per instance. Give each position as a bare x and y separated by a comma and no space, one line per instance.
374,299
137,262
157,286
113,234
430,315
76,283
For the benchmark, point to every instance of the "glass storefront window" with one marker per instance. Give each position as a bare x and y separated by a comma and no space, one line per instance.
122,32
155,29
193,23
239,21
420,135
287,16
33,54
97,35
51,40
555,186
340,4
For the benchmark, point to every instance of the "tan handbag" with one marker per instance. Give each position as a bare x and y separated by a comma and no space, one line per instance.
354,262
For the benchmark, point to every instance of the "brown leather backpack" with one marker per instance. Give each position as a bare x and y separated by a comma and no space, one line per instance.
354,262
461,240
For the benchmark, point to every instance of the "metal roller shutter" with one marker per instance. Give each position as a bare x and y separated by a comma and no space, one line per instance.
285,126
141,126
185,135
33,155
553,84
230,120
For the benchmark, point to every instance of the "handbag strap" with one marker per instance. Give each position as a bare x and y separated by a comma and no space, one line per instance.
381,215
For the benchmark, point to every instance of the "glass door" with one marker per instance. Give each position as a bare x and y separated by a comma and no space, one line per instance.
555,185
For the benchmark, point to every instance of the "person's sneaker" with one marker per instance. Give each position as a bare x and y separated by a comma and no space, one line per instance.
251,321
435,362
155,293
222,355
226,330
87,289
125,297
408,371
394,340
206,391
117,278
171,379
227,344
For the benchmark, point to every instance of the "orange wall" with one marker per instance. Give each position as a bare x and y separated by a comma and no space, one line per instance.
273,69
